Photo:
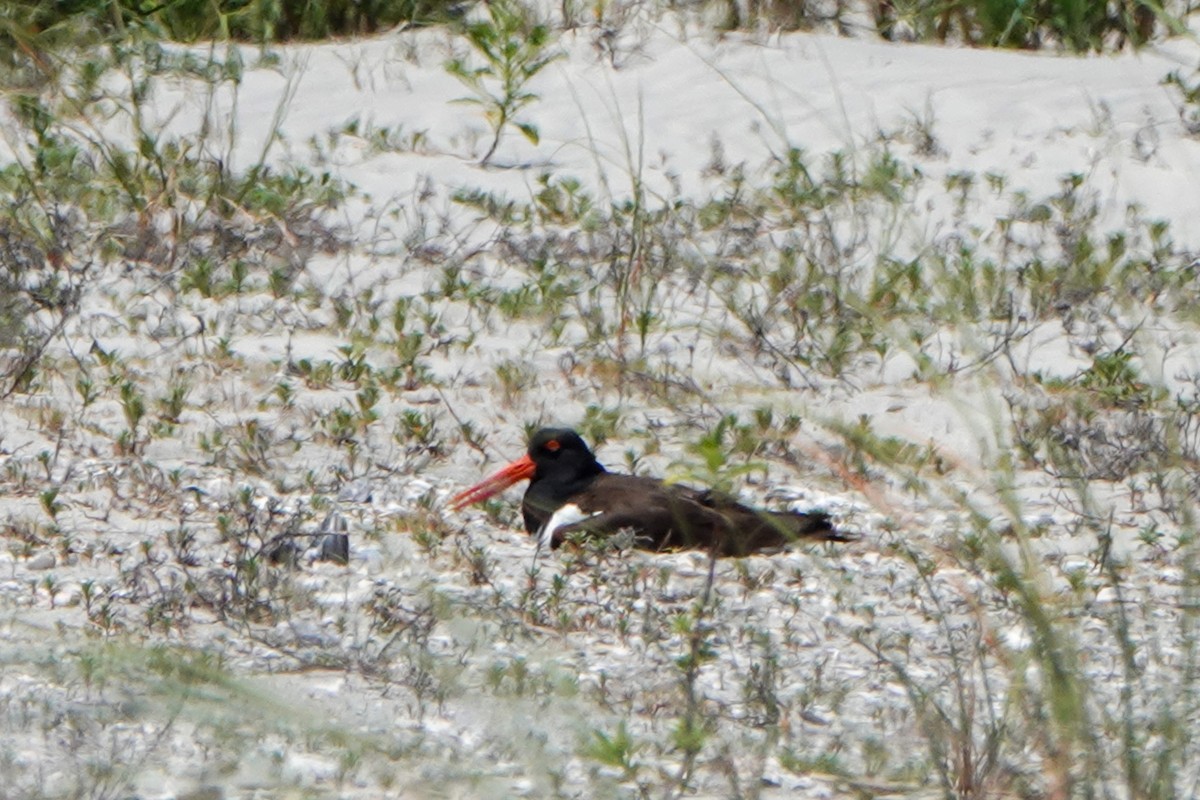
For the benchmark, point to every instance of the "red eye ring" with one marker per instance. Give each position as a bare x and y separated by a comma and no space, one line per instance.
553,445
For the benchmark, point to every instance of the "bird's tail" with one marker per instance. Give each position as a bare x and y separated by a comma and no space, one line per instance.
809,525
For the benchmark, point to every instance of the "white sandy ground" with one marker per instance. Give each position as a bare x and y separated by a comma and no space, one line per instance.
331,702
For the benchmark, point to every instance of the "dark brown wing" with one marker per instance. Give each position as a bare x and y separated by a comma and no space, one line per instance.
752,529
675,517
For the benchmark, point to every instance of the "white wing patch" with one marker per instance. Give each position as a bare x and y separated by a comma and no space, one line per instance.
567,515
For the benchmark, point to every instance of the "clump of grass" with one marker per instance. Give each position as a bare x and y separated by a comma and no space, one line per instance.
1070,24
1076,26
33,24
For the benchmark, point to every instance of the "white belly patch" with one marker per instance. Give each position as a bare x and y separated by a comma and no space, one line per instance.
567,515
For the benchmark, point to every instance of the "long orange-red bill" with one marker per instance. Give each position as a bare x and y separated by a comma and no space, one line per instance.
520,470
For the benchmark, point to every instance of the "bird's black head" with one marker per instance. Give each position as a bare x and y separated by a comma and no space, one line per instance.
560,454
557,465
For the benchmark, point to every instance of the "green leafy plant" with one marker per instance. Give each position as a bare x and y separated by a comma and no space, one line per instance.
513,49
616,750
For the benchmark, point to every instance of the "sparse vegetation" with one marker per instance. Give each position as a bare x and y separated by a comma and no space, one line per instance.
206,376
1076,26
33,25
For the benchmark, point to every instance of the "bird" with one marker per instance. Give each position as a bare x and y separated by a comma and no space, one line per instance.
571,494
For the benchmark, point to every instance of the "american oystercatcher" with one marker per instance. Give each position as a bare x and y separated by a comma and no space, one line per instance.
571,493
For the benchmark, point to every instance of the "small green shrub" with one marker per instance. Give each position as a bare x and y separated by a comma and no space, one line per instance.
514,49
